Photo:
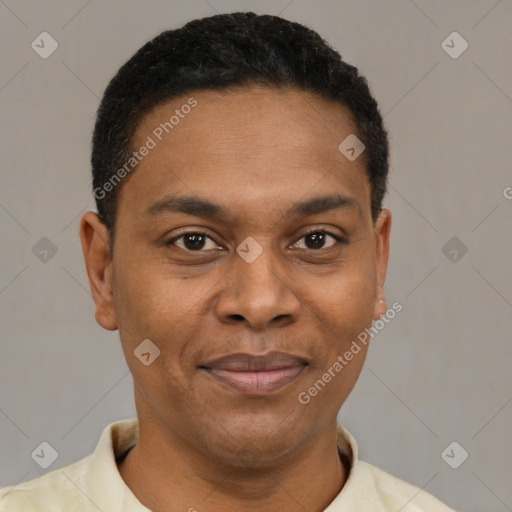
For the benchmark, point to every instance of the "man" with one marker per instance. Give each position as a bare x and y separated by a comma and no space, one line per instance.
240,248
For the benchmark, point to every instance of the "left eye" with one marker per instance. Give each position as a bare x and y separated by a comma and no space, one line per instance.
317,239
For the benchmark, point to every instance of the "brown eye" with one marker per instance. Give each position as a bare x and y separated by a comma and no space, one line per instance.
318,239
193,241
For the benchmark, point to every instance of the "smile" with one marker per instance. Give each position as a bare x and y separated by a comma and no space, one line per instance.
255,375
256,383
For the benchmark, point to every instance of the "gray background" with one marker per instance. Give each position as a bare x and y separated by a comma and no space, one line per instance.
439,372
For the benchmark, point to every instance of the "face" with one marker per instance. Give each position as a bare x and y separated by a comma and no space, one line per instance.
244,232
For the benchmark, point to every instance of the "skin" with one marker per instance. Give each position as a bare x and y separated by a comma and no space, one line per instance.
256,152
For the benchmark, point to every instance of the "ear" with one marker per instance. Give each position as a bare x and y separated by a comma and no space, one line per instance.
382,234
95,247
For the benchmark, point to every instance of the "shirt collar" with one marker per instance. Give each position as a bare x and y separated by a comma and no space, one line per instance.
106,488
104,484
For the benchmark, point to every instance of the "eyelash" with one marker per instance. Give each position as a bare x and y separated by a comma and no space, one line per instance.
339,239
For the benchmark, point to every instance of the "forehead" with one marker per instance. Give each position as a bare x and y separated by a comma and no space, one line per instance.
262,144
251,119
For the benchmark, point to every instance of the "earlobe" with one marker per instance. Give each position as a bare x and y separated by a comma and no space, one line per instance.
95,248
382,233
380,307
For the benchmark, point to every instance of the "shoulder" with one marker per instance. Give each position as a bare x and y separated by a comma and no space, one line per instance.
56,491
371,488
396,494
91,483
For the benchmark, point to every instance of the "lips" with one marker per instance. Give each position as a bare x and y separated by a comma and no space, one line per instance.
256,374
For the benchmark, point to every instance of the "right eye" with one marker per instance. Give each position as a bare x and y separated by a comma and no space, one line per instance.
193,241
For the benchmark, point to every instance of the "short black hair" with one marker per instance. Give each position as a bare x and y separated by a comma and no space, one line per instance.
221,52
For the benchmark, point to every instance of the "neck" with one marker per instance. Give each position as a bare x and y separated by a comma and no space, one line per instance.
165,474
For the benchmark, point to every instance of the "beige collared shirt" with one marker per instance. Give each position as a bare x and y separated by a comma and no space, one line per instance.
94,483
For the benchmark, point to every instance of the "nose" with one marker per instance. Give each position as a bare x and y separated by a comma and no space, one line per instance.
258,293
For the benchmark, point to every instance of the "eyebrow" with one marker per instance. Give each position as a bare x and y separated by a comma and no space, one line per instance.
195,206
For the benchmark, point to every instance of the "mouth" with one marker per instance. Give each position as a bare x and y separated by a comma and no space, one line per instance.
256,374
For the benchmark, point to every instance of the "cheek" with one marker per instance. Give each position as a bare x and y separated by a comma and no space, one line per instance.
344,301
150,302
152,307
342,310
